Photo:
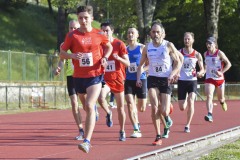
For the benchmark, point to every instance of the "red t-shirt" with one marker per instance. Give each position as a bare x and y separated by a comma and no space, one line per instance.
115,69
89,44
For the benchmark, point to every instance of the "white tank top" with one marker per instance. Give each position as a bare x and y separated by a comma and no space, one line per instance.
213,64
188,70
160,62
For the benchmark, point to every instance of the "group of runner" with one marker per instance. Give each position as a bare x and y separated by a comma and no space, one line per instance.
102,64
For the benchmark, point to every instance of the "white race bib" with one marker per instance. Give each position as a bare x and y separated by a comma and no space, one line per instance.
86,60
132,68
111,66
213,72
158,67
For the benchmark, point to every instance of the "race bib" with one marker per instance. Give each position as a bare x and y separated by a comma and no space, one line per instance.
158,68
111,66
132,68
213,72
86,60
187,69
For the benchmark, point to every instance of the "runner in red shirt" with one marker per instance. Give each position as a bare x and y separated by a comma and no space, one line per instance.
114,78
89,61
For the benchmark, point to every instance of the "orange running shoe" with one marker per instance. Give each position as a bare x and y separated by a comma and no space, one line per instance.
157,141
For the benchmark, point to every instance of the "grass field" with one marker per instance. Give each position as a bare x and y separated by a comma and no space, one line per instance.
227,152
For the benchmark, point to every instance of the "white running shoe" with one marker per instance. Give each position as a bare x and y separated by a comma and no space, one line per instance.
112,105
136,134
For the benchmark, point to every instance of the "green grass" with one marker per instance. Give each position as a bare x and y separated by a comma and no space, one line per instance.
30,29
227,152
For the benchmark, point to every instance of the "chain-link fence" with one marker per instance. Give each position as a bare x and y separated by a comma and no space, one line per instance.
18,97
23,66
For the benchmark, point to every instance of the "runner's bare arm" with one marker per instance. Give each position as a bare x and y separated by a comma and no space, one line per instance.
174,53
224,58
201,72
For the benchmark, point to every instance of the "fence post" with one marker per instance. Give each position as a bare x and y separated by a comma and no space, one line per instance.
6,98
51,68
44,93
19,97
37,61
9,65
23,66
55,96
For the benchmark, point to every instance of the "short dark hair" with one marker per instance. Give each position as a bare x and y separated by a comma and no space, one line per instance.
88,9
104,24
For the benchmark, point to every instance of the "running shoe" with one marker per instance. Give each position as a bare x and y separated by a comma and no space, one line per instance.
97,113
109,121
224,106
112,105
157,141
166,133
122,136
208,118
187,130
169,122
85,147
80,136
136,134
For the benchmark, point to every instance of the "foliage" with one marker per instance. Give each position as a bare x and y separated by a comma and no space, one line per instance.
30,29
68,5
121,14
12,4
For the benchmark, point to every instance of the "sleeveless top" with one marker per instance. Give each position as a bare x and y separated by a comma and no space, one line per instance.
188,70
160,62
213,64
69,67
134,58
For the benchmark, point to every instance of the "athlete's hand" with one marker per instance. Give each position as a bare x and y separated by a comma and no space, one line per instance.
219,73
115,55
76,56
139,83
176,77
104,62
200,75
57,71
171,79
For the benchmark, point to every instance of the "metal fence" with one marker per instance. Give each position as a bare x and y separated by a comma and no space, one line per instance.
18,97
23,66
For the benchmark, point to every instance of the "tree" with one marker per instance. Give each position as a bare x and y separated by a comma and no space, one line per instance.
145,10
50,6
64,8
211,12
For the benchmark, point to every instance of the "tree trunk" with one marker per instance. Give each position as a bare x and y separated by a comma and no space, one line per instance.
140,20
61,19
238,8
211,12
145,11
50,6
